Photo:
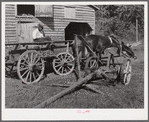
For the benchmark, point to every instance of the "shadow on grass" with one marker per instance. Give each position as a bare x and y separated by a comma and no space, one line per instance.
12,72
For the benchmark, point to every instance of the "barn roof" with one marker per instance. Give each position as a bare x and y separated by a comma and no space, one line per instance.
94,7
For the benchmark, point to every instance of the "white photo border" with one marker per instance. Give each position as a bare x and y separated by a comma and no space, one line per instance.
71,114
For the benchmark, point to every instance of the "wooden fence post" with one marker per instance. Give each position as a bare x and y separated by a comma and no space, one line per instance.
77,56
136,30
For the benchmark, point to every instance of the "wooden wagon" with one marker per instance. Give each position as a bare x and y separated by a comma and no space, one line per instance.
30,59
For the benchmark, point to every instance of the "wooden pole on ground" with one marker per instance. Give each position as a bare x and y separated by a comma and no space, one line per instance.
80,82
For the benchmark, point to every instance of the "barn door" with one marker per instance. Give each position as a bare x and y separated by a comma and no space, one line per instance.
24,32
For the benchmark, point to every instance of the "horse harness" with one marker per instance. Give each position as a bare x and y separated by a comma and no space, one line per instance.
111,45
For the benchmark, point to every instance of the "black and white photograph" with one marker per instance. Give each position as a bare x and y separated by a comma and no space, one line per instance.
74,60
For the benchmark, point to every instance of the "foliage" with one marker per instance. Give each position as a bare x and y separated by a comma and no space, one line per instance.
120,20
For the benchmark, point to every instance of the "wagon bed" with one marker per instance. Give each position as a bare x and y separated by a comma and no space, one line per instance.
29,55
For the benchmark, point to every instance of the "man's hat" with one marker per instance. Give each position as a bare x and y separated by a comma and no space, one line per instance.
40,25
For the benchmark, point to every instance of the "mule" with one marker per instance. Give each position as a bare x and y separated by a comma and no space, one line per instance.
99,43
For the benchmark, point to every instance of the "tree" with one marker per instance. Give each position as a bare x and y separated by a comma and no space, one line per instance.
120,20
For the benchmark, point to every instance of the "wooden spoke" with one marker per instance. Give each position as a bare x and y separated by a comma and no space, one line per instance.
69,68
28,58
30,76
35,58
58,61
70,61
62,69
39,64
70,64
27,76
58,65
39,68
25,72
23,64
68,58
31,57
65,56
34,76
22,69
38,74
25,60
59,68
65,70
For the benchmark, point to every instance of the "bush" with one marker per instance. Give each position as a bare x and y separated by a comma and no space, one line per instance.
120,21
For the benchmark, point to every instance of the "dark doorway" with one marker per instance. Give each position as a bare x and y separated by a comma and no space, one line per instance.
76,28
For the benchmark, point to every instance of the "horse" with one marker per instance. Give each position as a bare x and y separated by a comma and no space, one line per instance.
100,43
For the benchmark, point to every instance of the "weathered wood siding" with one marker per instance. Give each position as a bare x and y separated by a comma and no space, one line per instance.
10,23
86,14
54,25
83,13
43,10
24,32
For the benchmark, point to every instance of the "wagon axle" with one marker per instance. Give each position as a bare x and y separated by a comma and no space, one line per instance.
31,67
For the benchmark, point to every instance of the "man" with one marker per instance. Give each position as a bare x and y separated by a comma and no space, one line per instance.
39,35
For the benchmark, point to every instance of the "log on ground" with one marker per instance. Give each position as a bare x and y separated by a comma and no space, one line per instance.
80,82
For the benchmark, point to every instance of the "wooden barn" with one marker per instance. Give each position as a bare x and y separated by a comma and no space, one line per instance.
60,22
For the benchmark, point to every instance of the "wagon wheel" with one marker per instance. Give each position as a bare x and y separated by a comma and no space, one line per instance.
112,71
91,63
90,66
30,67
125,74
64,63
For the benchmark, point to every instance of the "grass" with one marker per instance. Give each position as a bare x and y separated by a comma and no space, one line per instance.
118,96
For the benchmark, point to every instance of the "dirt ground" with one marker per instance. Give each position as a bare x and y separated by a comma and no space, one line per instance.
18,95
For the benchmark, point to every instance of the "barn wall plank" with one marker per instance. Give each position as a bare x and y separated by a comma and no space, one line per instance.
43,10
83,14
10,23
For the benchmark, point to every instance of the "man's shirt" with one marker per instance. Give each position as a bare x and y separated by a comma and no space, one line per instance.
37,34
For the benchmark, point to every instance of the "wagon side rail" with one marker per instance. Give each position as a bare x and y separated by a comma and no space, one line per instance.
38,43
16,46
